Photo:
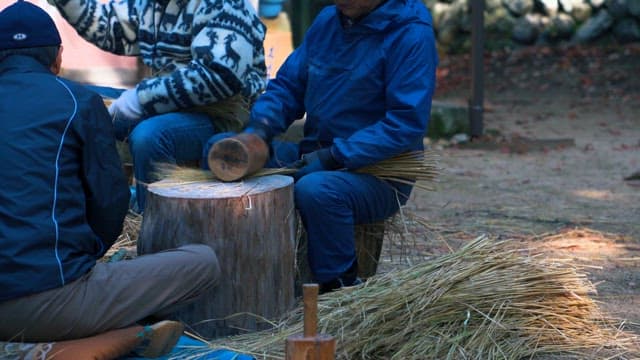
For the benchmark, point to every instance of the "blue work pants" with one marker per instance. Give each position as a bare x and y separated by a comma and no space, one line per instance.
330,203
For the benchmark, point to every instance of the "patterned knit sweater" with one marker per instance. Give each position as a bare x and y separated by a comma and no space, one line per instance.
200,51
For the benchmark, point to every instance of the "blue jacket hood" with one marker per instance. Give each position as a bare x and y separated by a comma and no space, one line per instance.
390,15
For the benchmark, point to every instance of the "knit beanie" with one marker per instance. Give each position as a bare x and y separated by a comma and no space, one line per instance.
25,25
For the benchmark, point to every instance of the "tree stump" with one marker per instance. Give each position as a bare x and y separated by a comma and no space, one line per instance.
250,225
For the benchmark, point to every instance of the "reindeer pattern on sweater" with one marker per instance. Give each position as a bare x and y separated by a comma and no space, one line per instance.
199,51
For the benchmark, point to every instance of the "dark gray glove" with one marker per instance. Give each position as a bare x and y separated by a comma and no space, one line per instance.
319,160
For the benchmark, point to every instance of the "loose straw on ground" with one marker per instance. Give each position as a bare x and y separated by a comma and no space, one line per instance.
125,245
484,301
420,167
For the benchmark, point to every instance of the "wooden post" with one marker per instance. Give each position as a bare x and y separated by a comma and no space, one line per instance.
310,345
250,226
369,238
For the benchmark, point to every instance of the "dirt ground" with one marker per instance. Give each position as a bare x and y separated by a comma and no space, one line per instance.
570,199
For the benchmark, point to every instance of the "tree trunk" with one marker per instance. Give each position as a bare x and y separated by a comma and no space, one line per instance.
250,226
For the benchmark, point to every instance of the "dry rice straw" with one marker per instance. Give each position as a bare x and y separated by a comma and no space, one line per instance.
126,242
483,301
420,167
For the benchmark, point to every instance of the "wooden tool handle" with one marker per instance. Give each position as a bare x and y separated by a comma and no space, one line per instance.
310,299
310,345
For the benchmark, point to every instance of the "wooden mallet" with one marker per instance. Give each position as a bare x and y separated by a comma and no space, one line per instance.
310,345
235,157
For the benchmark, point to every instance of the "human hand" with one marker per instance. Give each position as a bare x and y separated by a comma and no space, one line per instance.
319,160
261,129
126,106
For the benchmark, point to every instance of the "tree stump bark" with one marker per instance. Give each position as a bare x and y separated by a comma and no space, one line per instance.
250,225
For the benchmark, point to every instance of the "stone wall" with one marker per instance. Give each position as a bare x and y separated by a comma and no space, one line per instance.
510,23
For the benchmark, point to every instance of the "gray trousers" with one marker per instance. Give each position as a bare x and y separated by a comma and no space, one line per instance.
112,296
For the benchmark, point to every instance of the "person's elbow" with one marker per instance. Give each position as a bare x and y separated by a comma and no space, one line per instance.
107,217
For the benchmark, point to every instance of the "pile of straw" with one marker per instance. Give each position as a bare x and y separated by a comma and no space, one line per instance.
484,301
125,245
420,167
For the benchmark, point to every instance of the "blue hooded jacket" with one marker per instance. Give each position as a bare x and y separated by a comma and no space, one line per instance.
366,89
63,193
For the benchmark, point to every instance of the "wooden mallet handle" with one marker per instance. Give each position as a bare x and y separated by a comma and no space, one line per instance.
310,345
310,300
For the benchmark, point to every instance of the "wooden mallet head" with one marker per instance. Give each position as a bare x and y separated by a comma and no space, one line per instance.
238,156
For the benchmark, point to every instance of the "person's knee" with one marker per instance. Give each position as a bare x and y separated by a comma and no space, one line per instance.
203,263
313,190
148,141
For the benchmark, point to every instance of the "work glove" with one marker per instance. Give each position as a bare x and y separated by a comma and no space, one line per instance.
126,106
319,160
262,129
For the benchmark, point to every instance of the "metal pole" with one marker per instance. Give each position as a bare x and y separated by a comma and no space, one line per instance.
301,18
477,68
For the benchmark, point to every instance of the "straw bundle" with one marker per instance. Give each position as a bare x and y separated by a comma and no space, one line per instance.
420,167
230,114
484,301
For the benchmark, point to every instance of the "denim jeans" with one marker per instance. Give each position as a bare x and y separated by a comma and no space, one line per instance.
174,138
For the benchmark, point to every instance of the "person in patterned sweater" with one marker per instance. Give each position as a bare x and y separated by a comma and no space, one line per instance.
201,53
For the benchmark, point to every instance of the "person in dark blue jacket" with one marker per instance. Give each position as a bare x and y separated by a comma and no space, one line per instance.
63,200
364,75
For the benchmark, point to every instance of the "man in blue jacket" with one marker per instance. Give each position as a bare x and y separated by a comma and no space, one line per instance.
364,75
63,199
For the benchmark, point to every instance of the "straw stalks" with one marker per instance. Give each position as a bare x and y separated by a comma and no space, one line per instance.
230,114
420,167
125,245
484,301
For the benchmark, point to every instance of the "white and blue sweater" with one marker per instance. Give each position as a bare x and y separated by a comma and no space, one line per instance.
200,51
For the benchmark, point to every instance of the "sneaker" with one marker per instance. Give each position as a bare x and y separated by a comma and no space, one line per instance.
337,284
158,339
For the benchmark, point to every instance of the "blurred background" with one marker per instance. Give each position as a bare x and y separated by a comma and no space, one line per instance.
508,24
